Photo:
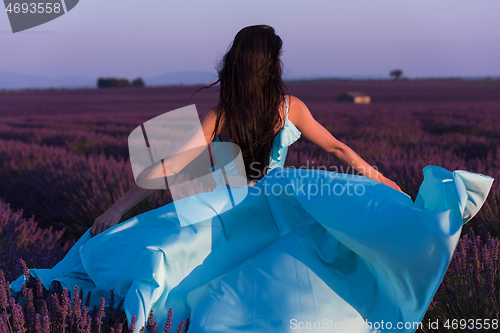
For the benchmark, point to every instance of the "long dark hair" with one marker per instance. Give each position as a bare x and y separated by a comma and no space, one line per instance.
251,92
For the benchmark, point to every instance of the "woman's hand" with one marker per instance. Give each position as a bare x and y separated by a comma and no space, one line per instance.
390,183
110,218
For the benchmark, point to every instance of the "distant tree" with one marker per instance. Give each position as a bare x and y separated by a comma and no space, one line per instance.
112,82
139,82
123,83
397,73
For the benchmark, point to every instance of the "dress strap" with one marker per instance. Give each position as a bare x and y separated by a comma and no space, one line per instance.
286,101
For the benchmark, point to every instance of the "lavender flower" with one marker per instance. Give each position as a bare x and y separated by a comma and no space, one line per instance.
181,325
150,320
100,314
17,317
168,323
132,323
186,327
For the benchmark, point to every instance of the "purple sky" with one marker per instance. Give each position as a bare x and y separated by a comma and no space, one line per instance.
321,38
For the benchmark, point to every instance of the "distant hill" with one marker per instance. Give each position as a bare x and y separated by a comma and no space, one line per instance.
12,80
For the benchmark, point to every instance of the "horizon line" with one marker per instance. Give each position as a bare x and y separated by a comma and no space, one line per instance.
297,80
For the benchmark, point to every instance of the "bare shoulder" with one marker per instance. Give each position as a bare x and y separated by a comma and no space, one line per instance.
207,120
297,109
211,113
297,102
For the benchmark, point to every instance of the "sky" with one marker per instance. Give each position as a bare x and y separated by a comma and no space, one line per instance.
328,38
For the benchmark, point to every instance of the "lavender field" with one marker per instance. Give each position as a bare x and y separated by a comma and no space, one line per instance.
64,161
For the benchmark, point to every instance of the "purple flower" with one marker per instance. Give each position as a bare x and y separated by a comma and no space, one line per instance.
186,327
132,323
150,320
100,314
25,269
168,323
17,317
87,299
181,325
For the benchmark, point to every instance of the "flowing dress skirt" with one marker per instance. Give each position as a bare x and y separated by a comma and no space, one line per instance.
308,251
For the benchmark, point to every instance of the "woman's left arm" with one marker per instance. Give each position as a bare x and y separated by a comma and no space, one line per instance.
317,134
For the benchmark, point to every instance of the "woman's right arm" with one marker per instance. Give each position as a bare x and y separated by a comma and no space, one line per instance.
313,131
151,178
113,215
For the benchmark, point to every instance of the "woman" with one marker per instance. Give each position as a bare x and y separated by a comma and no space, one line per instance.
255,109
355,259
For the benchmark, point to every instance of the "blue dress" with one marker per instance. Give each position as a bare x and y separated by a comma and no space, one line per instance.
304,251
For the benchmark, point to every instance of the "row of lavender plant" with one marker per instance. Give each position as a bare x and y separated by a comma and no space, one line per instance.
470,289
68,187
35,309
468,130
63,189
68,170
23,238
